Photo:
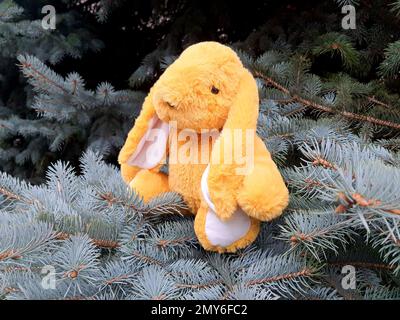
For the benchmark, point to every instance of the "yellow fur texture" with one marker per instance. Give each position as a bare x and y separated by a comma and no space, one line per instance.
207,87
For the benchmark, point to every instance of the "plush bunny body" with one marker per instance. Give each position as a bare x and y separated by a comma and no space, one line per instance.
202,110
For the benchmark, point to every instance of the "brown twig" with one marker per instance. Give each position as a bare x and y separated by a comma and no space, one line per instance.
360,200
115,279
41,76
299,237
146,258
303,273
11,196
380,103
106,244
164,243
10,254
101,243
198,286
323,162
368,265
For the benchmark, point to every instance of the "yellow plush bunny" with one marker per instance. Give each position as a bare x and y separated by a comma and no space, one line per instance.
202,114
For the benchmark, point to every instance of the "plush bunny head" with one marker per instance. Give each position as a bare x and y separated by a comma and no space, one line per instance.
198,89
207,87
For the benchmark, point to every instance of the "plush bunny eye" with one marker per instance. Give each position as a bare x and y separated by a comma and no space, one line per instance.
214,90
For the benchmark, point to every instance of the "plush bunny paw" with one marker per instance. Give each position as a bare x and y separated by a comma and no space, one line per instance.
223,235
264,195
149,184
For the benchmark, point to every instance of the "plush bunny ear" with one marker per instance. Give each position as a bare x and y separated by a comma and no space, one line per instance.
227,170
146,143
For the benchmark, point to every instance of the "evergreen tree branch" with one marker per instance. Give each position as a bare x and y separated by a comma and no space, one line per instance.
323,108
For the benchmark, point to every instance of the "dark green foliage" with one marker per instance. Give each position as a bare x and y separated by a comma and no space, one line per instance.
22,151
390,67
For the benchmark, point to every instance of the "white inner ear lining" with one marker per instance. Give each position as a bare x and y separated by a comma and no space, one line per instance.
143,139
152,146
